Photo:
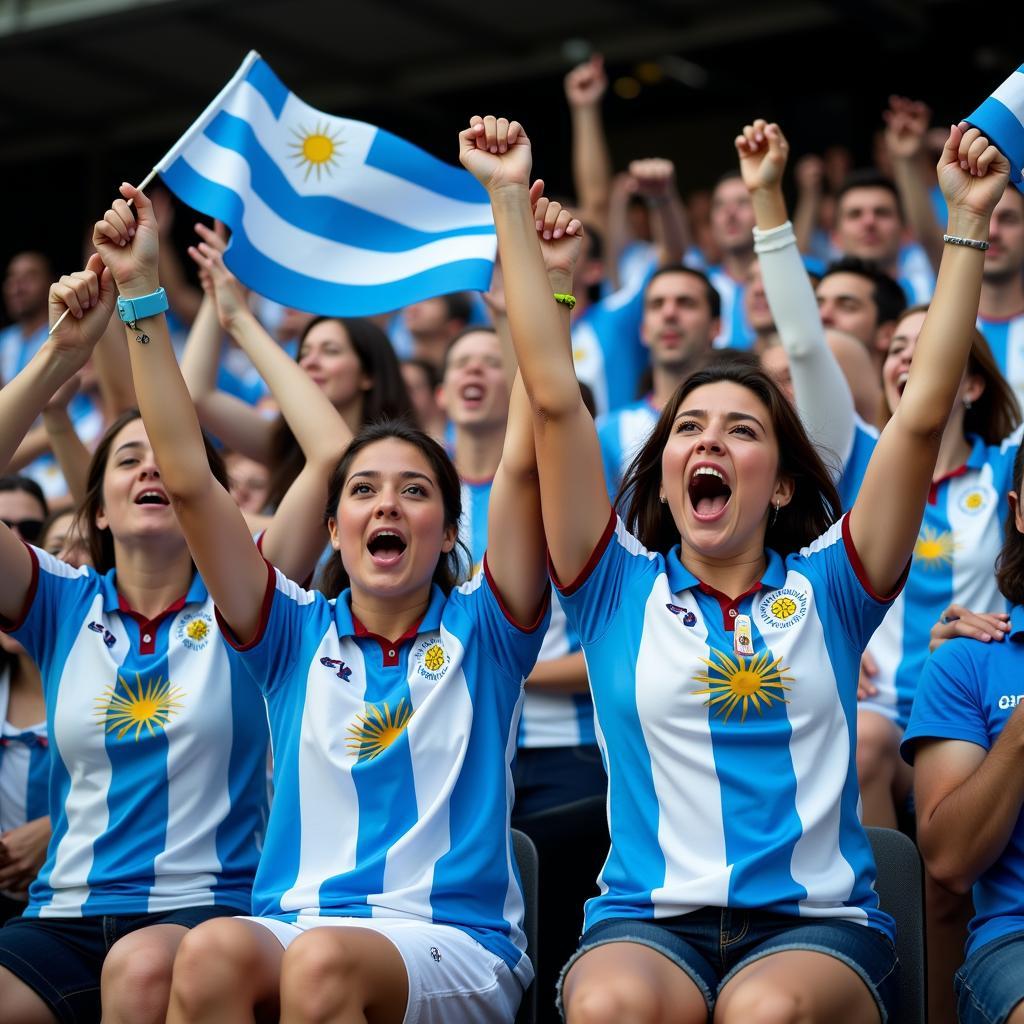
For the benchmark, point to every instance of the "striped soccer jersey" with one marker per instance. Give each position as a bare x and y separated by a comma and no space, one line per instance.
548,719
1006,339
855,465
732,777
621,434
24,767
157,792
954,560
392,762
606,348
736,332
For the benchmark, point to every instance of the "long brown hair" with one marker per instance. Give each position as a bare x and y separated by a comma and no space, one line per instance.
452,566
1010,563
815,504
387,398
101,542
995,414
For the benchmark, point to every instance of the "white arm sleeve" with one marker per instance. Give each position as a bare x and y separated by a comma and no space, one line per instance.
822,394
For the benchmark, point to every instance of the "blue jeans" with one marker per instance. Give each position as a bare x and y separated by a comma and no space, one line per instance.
61,958
991,983
548,777
712,945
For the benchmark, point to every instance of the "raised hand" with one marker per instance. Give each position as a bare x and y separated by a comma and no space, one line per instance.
763,151
586,83
128,243
653,178
972,174
88,296
906,125
496,152
218,281
560,235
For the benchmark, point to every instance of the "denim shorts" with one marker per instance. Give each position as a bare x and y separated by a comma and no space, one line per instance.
991,983
61,958
712,945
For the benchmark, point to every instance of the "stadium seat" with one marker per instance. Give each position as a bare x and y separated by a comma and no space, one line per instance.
572,844
526,858
900,889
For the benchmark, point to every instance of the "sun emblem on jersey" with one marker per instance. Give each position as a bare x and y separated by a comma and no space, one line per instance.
431,659
375,731
151,705
934,548
733,681
194,631
974,502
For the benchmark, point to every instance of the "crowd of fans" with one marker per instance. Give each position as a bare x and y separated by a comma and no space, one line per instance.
747,484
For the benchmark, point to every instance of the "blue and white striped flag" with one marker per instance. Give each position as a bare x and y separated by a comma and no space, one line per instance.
329,215
1001,118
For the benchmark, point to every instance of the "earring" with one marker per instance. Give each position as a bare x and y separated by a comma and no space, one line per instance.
663,499
967,403
775,514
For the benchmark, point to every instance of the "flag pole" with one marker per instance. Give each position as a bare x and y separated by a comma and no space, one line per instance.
146,180
198,125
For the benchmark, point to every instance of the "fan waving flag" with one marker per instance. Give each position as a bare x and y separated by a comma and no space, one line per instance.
329,215
1001,118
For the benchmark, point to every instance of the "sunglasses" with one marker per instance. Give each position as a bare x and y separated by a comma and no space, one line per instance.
27,529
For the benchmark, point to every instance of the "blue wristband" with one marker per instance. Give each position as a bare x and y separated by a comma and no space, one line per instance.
133,310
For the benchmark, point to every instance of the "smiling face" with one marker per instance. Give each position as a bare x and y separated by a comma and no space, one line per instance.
720,470
475,389
327,355
389,527
135,505
896,368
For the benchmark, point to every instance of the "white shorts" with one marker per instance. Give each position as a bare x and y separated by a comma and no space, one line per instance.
452,978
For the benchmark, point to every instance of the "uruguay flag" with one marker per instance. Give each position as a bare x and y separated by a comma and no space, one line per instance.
329,215
1001,118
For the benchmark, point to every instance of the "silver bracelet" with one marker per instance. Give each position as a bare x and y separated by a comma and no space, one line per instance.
972,243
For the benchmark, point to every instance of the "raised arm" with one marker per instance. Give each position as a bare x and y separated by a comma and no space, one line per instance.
906,127
591,163
810,183
296,536
886,517
71,454
515,535
214,528
237,424
822,395
574,497
655,182
89,295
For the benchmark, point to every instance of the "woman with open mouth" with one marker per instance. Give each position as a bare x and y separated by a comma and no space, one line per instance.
723,623
387,885
158,744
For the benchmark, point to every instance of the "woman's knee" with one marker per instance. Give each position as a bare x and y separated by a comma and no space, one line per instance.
135,982
608,1000
321,975
756,1002
216,962
877,747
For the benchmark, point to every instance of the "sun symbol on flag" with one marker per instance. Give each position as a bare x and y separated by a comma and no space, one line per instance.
151,704
740,682
315,149
935,548
374,732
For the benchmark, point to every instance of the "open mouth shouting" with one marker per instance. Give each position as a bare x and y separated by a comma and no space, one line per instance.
709,492
386,547
152,496
472,395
